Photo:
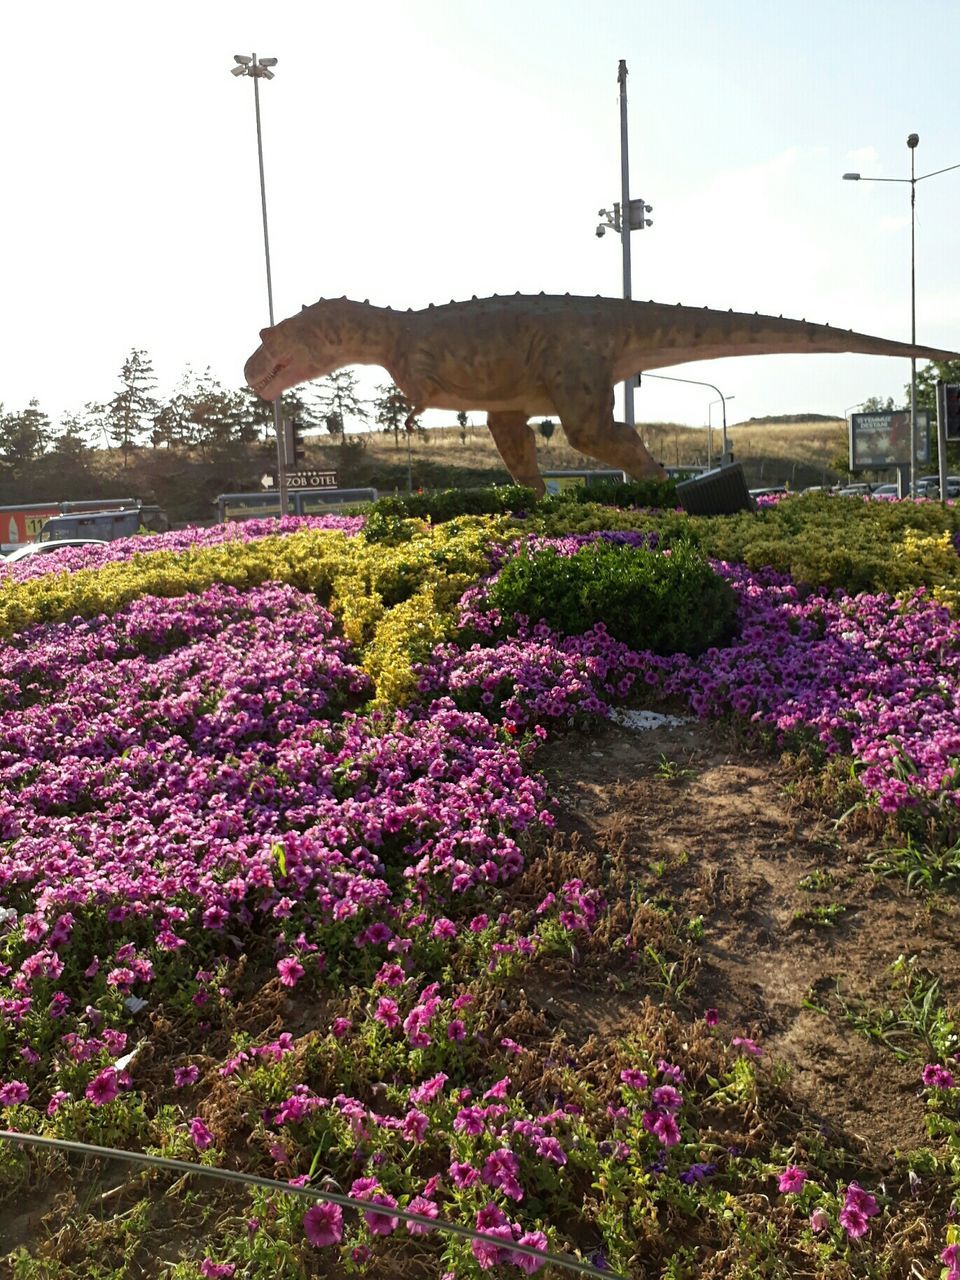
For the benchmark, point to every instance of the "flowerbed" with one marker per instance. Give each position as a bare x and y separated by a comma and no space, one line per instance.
213,802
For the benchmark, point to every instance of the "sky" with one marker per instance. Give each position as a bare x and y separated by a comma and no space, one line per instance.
417,151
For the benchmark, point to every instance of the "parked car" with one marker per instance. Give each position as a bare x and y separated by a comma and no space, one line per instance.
855,491
886,491
41,548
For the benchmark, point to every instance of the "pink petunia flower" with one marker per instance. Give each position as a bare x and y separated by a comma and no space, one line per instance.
290,970
323,1224
103,1088
791,1180
200,1134
427,1208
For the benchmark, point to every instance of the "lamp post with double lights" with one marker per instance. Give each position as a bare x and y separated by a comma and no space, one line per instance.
912,141
260,69
626,216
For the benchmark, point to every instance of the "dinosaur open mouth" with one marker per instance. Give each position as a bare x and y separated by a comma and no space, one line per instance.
265,381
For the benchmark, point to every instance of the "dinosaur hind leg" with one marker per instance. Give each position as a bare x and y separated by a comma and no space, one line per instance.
585,408
516,444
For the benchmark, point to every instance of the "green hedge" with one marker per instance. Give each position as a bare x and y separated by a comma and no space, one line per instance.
647,599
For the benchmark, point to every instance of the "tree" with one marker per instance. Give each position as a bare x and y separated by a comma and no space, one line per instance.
71,446
927,379
24,435
338,400
463,422
874,404
131,412
547,428
392,409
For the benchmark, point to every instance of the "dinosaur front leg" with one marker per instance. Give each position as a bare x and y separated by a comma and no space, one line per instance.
516,444
584,403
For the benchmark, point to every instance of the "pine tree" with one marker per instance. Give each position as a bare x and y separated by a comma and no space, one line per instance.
392,409
24,436
338,400
131,412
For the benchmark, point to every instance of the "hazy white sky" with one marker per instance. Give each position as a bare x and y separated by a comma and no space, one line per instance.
423,150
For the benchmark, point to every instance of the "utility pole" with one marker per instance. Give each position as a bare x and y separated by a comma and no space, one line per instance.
625,228
249,66
627,215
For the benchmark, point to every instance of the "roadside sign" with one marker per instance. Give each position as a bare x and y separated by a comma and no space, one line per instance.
879,440
311,479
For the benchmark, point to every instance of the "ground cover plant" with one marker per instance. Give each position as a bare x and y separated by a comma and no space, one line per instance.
289,883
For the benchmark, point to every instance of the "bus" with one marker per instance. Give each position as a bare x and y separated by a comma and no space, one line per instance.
30,521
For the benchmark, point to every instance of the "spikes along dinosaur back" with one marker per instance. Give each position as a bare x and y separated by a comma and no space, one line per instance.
528,356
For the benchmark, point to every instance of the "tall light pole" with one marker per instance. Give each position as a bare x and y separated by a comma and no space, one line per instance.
629,215
912,140
260,70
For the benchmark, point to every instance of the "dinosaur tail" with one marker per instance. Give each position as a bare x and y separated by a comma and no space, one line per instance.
679,335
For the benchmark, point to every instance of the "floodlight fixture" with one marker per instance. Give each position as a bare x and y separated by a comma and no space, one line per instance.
238,71
243,58
268,62
913,140
851,177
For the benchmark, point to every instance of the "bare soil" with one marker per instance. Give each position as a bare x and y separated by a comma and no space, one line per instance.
707,826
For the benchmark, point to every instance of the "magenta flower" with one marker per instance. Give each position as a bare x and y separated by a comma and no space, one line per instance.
290,970
415,1125
633,1078
456,1029
854,1221
200,1134
103,1088
427,1208
381,1224
323,1224
859,1207
183,1076
937,1077
747,1046
217,1270
13,1092
791,1180
500,1169
527,1264
387,1013
463,1175
667,1130
341,1027
711,1017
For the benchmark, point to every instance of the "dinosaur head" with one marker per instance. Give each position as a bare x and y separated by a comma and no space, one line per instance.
318,340
284,359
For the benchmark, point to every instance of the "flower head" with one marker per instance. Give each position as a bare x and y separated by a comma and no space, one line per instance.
323,1224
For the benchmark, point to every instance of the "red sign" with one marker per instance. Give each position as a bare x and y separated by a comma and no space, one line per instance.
23,524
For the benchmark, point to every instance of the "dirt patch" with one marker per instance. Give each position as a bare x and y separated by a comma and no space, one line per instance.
784,910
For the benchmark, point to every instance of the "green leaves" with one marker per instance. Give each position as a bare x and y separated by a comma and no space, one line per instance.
670,603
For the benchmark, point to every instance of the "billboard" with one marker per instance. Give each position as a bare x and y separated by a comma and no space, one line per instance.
879,440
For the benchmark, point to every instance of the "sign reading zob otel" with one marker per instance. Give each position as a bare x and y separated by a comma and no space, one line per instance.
880,440
311,479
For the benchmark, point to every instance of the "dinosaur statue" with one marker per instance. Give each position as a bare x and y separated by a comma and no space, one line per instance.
527,356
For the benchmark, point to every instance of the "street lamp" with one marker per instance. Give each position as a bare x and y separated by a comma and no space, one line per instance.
694,382
259,69
722,401
912,141
626,216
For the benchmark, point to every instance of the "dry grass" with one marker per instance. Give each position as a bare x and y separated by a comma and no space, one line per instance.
772,452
